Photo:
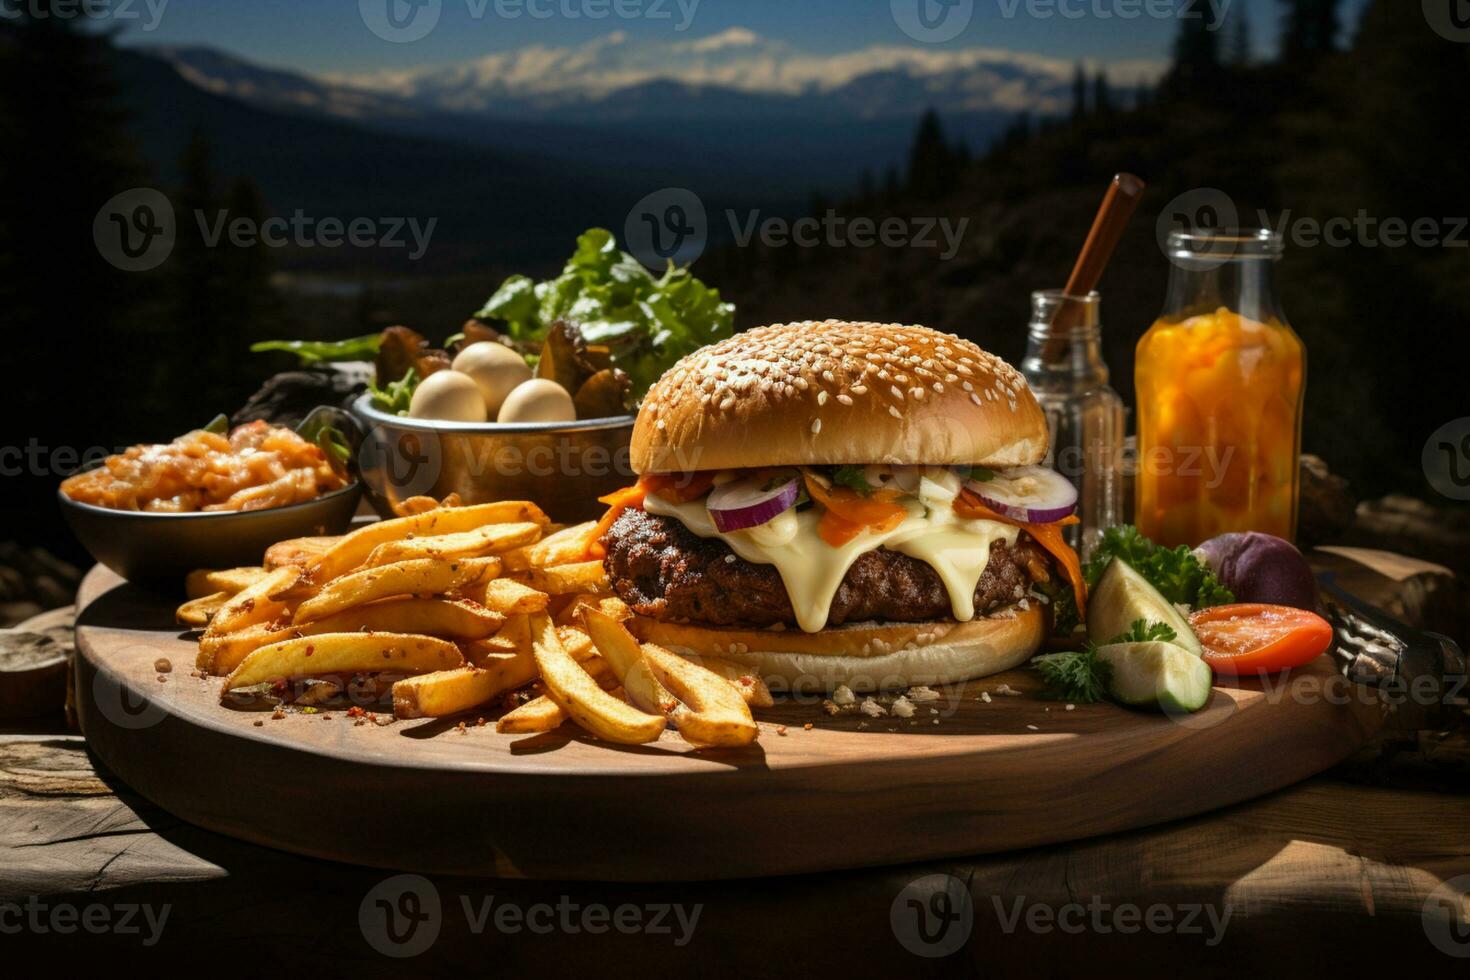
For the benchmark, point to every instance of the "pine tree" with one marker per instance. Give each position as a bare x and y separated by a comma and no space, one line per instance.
1079,94
1309,29
1240,35
933,168
1196,51
1102,99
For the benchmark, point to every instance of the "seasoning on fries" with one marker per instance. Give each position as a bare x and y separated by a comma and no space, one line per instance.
460,608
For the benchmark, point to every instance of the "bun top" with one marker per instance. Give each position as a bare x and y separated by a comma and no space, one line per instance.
835,393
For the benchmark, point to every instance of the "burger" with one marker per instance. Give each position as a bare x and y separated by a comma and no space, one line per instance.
840,503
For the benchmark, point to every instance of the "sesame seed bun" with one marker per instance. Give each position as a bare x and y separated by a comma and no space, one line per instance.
834,393
864,656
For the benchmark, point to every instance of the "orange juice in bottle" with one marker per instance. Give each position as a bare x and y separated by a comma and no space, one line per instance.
1219,378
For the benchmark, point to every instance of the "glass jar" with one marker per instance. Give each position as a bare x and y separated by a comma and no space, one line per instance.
1220,379
1065,369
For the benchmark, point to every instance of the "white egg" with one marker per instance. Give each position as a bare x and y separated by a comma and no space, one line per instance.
449,397
495,368
538,400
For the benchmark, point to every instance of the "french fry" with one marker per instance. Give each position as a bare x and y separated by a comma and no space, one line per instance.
586,576
514,637
207,581
624,656
445,618
750,684
507,597
198,612
609,605
448,692
219,655
254,604
713,711
573,689
354,549
337,653
543,714
576,642
563,547
298,552
421,504
487,540
419,576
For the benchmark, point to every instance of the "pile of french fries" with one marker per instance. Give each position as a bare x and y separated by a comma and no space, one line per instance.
462,608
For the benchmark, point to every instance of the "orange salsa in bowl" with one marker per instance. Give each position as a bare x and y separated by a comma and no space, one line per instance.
255,467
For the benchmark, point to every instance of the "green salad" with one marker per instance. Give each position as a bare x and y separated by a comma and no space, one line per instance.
648,322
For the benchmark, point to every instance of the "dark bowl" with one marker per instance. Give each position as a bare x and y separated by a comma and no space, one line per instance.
156,549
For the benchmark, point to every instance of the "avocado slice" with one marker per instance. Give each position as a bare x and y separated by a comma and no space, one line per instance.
1122,596
1156,674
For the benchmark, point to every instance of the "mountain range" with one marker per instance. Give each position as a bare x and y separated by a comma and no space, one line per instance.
744,121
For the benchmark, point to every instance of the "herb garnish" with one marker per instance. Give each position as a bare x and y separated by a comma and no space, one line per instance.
854,478
1082,676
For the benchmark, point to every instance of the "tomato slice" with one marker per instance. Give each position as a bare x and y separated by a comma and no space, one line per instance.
1251,638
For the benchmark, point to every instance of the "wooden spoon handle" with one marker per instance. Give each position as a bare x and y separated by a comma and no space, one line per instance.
1117,207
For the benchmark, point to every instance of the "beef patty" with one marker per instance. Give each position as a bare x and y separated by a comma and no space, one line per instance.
662,569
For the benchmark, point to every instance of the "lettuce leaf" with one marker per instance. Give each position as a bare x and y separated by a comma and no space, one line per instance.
648,322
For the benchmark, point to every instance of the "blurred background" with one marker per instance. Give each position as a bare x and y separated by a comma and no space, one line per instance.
472,140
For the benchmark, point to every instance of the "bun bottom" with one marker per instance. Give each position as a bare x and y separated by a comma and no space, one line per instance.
863,656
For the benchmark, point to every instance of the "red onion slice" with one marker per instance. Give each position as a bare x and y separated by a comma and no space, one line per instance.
1033,494
745,503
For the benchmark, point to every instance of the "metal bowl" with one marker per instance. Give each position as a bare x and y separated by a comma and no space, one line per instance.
158,548
563,466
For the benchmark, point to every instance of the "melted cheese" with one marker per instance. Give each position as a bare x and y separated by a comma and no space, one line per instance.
955,547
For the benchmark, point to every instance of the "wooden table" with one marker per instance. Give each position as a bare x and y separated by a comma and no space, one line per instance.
1334,875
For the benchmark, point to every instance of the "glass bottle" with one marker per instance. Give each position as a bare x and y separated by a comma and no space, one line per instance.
1064,367
1220,379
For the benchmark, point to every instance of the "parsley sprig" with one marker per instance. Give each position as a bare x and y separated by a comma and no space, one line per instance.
1083,676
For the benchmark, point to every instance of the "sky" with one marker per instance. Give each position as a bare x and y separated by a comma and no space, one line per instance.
333,36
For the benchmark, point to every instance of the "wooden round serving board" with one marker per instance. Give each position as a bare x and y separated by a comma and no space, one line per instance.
849,791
